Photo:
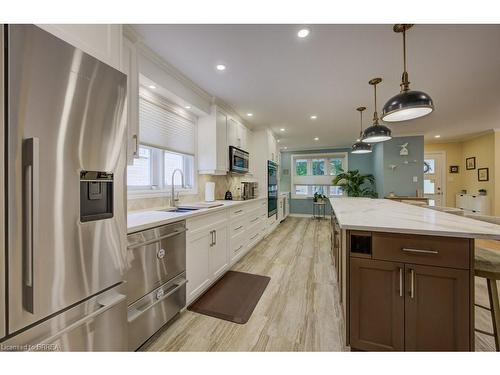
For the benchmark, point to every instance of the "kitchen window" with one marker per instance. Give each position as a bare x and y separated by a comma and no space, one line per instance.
314,174
167,137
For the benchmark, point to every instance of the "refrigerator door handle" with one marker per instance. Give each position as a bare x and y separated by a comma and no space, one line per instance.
104,306
31,203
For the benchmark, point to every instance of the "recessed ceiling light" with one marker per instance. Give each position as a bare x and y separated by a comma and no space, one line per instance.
278,141
220,67
284,148
304,32
282,129
249,114
152,87
437,136
188,107
316,138
314,117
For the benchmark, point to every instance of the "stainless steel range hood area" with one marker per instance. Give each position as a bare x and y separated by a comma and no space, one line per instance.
63,245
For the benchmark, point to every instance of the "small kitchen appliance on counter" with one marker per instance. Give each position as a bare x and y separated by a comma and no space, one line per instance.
249,190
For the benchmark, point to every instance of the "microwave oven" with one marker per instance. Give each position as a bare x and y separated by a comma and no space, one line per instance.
238,160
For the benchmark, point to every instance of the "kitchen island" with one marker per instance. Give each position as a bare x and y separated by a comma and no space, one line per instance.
406,274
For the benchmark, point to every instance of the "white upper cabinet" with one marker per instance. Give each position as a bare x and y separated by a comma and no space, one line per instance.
237,134
130,68
103,41
213,150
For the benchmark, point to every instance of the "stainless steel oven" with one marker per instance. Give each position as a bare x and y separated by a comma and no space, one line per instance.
272,188
238,160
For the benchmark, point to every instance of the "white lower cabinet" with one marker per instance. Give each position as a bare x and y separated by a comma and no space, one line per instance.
218,257
214,242
197,263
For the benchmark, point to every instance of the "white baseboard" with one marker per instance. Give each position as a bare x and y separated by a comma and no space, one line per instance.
300,215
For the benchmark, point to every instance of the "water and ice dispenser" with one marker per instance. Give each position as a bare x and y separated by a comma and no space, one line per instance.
96,196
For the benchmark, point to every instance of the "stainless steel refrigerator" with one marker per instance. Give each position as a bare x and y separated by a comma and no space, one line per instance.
63,196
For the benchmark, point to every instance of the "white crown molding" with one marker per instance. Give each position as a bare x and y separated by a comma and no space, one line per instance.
132,35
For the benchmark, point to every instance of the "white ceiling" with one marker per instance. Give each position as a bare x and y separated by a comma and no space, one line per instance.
283,80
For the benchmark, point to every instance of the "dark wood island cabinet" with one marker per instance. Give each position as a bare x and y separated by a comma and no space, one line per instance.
407,279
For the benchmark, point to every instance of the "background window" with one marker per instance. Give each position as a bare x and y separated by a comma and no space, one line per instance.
318,167
139,174
301,167
314,173
335,166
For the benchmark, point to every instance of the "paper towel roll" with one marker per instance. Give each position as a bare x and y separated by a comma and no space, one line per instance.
209,191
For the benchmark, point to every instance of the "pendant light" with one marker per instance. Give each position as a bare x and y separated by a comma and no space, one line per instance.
408,104
376,132
361,147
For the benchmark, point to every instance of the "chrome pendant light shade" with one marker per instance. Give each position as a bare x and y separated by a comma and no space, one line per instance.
360,147
408,104
376,133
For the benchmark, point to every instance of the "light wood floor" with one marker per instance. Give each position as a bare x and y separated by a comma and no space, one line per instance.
299,311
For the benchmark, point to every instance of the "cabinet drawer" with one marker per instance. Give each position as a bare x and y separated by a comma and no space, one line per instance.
253,218
237,226
238,245
209,219
427,250
237,211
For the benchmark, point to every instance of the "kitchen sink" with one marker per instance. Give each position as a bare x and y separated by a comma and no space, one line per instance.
179,209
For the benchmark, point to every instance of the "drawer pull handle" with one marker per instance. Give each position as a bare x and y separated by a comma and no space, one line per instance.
412,284
400,282
254,220
419,251
255,236
238,249
158,239
237,212
235,229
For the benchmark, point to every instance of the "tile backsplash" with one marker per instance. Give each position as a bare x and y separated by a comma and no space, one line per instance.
224,183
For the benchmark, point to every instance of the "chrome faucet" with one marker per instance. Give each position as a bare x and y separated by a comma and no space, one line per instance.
173,200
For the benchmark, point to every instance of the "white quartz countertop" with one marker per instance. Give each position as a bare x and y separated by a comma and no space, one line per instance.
384,215
153,217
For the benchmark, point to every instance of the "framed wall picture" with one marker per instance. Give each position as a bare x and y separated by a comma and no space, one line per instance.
483,174
453,168
470,163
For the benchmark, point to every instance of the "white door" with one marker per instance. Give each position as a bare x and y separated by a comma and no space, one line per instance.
197,262
434,178
219,251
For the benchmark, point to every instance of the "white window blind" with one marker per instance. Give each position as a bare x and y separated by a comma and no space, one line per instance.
164,126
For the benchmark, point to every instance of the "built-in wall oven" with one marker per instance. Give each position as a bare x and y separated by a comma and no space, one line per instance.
238,160
272,188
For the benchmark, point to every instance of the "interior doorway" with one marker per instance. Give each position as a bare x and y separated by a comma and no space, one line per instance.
435,177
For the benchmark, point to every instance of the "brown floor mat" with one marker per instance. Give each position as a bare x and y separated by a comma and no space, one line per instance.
233,297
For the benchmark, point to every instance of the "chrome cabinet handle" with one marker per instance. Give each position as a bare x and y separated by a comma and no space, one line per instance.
254,220
412,284
237,212
235,229
31,203
400,282
408,250
136,139
215,237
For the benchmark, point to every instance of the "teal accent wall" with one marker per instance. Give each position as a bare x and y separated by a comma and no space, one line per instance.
400,180
362,162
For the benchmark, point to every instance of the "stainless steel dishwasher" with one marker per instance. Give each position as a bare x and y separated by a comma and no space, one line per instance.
156,279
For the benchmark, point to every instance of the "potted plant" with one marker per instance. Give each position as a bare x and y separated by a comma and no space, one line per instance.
318,197
355,184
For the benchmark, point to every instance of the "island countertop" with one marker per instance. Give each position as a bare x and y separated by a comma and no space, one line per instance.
384,215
